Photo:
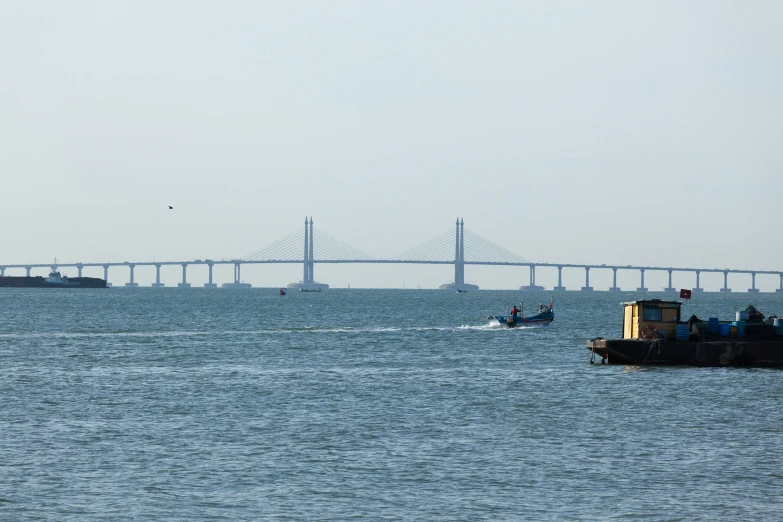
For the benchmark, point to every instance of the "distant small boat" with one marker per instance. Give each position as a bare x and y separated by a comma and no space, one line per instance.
544,317
310,290
282,291
461,291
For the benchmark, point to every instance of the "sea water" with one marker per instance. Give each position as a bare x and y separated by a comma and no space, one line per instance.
210,404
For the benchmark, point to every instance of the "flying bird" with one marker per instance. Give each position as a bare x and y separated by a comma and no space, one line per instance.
171,208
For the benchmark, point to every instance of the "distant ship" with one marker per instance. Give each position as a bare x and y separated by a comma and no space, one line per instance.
312,286
462,287
237,285
55,280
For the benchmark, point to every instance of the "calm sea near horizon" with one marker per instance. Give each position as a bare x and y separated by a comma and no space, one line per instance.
198,404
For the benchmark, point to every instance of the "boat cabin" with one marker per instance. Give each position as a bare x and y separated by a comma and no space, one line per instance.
649,318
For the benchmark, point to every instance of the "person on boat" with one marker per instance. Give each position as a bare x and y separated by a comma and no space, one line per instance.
514,311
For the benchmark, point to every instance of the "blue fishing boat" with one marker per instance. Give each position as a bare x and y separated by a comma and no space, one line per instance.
545,315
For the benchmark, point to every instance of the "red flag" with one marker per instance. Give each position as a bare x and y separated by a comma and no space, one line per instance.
685,294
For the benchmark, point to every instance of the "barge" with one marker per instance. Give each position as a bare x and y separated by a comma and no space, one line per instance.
655,334
55,280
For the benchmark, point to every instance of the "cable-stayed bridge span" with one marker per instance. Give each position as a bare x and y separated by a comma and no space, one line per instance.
457,247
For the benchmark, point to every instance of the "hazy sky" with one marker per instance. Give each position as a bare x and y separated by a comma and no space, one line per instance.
595,132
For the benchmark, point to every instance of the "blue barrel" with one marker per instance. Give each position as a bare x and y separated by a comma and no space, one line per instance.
682,332
713,325
725,329
740,327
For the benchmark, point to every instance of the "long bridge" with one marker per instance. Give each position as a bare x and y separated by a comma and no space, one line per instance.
457,247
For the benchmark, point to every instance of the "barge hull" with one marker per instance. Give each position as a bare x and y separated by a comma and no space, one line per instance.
39,282
734,352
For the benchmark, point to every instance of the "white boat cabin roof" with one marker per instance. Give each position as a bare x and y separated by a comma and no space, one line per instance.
654,302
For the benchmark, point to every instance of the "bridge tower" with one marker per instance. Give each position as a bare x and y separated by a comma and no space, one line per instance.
306,263
459,254
459,261
308,281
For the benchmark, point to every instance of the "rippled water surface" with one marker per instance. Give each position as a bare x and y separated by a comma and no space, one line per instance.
199,404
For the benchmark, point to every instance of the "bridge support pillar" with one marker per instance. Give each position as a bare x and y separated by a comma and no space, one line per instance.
237,283
587,287
698,288
780,290
210,284
669,288
106,274
184,283
532,285
614,288
157,283
2,271
725,288
79,267
560,287
132,283
753,289
642,288
28,268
